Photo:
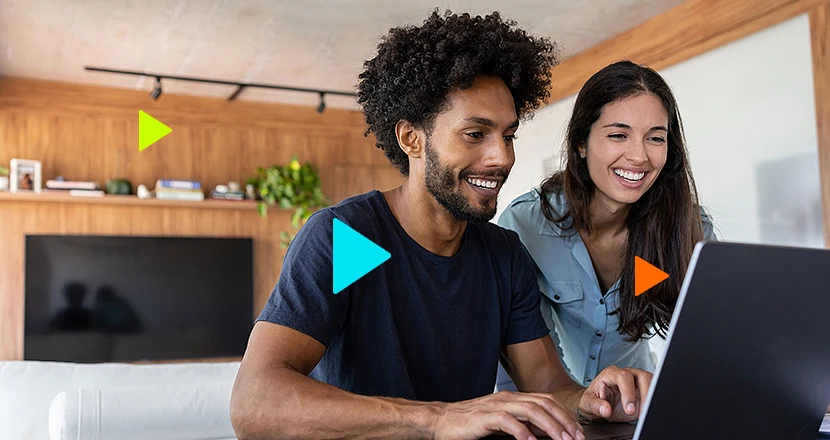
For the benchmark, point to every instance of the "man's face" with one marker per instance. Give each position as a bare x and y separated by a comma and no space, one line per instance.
470,151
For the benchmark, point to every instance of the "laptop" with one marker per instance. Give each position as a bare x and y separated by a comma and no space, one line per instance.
748,354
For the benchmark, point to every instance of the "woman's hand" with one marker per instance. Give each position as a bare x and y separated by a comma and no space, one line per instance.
616,395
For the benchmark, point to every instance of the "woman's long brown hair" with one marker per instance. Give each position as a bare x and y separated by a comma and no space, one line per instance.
663,225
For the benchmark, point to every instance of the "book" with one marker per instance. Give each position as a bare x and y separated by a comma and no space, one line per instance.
86,193
230,195
177,191
178,184
72,184
196,196
66,190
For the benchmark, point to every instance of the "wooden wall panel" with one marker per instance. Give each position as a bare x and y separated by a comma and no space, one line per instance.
820,36
357,179
683,32
90,133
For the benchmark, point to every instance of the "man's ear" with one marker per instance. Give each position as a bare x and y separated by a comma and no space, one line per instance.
410,139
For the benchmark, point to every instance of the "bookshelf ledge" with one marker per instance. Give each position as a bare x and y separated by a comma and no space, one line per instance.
247,205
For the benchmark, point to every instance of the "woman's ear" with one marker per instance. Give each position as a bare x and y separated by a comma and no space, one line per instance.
581,151
410,139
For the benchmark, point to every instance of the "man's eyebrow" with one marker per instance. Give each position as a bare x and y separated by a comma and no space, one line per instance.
489,122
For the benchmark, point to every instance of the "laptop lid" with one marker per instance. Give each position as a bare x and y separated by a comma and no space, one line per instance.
748,352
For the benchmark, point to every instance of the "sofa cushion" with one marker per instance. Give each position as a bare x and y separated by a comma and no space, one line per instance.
27,388
158,412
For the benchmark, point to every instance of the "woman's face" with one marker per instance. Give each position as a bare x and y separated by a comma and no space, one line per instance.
627,148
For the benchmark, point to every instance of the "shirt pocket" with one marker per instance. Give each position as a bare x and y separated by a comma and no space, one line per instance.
564,292
565,305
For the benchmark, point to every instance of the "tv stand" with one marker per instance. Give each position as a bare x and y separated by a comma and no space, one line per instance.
58,214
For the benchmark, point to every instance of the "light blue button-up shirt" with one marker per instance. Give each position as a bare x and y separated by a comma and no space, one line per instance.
574,307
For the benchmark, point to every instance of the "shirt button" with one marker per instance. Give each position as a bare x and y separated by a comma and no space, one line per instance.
599,334
556,297
601,301
593,358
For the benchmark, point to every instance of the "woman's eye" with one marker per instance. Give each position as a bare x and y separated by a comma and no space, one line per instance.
616,136
476,135
658,139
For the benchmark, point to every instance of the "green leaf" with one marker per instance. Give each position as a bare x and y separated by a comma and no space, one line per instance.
262,209
293,186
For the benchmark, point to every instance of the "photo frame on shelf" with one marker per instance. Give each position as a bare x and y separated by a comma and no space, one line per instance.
25,176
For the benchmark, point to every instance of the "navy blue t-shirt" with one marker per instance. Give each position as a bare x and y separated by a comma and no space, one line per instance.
420,326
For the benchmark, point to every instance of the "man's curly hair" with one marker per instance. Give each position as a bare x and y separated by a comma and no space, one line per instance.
416,67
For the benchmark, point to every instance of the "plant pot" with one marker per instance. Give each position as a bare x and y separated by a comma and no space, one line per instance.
120,187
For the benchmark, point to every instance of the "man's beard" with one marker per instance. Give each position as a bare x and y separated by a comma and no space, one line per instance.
442,184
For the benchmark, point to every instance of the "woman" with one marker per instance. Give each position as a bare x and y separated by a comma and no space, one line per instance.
626,190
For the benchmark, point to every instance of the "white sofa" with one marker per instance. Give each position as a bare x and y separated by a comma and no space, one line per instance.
100,401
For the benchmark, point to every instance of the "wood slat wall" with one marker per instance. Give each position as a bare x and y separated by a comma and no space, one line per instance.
820,36
683,32
90,133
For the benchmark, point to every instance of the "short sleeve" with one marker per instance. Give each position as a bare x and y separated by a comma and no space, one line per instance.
525,322
508,219
708,226
303,298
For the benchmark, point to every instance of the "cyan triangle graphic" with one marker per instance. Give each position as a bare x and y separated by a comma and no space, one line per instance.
354,256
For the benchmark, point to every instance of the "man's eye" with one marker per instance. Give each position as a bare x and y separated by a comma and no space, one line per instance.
476,135
510,138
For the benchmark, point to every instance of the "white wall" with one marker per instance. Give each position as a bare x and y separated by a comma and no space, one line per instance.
749,113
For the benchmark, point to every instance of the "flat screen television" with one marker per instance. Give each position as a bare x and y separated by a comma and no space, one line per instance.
124,299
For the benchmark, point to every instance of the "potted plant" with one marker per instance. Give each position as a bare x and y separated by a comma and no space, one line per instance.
294,187
4,178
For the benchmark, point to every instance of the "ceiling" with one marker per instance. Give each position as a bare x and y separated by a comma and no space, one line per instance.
311,43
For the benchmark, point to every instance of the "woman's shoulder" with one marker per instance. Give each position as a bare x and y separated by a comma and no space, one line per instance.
525,211
708,225
521,210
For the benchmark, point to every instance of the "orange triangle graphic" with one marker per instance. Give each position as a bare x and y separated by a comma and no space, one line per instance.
646,276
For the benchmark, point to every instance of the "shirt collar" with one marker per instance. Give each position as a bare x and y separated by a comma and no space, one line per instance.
547,227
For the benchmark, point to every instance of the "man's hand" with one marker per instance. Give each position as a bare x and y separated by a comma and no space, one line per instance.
616,394
516,414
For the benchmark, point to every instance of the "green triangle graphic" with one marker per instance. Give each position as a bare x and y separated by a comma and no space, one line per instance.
150,130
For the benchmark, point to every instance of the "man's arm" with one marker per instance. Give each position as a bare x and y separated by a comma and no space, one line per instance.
535,367
273,398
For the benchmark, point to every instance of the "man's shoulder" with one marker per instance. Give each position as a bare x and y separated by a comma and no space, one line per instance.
498,238
354,211
360,204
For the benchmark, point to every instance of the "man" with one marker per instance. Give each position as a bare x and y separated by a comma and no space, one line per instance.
411,349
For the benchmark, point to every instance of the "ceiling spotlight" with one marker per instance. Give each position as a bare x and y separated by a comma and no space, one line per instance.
322,105
156,89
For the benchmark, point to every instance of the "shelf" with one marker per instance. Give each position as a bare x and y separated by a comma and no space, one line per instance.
247,205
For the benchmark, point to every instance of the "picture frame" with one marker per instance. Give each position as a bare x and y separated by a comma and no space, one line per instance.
25,176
